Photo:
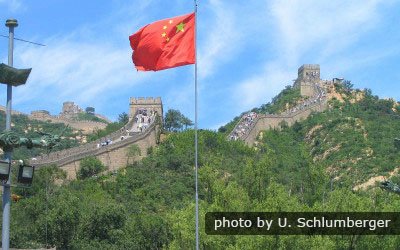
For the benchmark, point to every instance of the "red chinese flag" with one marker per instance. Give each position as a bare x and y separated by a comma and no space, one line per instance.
164,44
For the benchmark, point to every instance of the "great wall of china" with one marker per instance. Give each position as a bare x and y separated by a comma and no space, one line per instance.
142,130
115,155
68,117
311,86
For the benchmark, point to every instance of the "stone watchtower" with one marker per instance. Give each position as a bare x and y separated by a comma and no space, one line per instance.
308,75
148,103
69,109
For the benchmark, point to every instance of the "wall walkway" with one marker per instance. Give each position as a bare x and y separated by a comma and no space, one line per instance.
316,103
113,155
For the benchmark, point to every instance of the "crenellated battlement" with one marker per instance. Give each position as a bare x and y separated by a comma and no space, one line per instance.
145,100
148,103
307,76
306,68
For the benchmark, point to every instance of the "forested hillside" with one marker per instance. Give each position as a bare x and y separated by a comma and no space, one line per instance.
70,137
25,127
312,166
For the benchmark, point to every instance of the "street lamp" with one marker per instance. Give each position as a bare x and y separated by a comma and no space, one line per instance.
11,80
13,76
25,174
5,167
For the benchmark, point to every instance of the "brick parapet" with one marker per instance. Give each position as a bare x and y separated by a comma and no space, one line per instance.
83,148
150,103
75,154
267,121
264,122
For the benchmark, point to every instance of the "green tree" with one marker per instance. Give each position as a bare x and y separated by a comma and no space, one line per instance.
186,122
123,118
133,150
90,166
99,133
174,120
63,220
348,86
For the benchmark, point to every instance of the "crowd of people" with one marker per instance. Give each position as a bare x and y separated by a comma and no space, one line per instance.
143,119
247,121
320,96
243,126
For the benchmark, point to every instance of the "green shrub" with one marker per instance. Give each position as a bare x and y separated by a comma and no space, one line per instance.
89,167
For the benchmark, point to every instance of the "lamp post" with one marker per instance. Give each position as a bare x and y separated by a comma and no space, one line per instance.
11,24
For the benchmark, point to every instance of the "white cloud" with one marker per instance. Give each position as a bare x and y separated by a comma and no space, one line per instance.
314,30
130,16
303,25
261,87
221,40
88,73
265,40
12,5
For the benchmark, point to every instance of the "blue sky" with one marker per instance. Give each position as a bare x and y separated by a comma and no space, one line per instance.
247,52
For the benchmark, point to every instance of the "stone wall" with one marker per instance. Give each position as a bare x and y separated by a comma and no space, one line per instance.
45,116
114,158
309,73
86,126
265,122
311,85
307,76
114,155
70,109
148,103
306,89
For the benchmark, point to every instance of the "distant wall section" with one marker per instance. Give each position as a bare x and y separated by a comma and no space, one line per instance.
85,126
265,122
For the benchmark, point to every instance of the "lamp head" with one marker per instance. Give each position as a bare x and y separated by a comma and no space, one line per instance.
11,23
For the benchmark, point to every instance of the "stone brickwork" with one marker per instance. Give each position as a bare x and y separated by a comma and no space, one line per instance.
87,127
148,103
66,118
311,86
307,76
113,155
70,110
265,122
40,114
309,73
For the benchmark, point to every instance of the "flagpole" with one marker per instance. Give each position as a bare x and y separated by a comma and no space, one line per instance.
195,127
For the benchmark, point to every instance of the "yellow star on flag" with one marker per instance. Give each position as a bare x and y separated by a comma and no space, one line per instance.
180,27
